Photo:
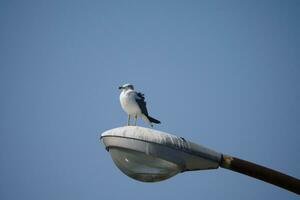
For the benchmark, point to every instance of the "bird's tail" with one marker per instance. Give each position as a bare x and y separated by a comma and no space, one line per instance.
150,120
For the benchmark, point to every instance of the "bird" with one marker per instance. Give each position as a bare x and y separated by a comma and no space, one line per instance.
133,103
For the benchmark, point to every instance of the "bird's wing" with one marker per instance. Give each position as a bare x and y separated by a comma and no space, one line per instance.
140,95
140,99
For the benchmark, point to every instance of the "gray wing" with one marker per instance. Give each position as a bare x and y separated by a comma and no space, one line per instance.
140,99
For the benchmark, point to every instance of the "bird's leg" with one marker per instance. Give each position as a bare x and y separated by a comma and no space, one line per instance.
135,119
128,122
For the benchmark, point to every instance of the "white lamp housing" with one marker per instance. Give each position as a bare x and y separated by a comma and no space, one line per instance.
149,155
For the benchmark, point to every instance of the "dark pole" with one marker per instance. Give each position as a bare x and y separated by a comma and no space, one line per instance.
259,172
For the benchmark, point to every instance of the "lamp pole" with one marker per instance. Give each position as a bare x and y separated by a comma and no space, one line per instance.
149,155
260,172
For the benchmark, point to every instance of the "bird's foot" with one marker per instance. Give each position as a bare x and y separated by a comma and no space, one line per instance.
135,120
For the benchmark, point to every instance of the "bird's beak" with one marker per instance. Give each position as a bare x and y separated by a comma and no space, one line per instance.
120,87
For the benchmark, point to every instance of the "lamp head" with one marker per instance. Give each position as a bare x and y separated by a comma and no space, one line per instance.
149,155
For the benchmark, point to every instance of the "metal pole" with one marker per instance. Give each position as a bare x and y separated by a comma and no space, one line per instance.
259,172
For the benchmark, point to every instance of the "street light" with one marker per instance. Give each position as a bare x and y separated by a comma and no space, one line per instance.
149,155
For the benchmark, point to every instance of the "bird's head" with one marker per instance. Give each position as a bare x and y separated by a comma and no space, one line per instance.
126,86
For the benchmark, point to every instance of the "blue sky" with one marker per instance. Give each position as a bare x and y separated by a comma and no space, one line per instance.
222,74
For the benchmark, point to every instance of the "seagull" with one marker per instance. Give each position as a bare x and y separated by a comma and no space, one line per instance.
133,103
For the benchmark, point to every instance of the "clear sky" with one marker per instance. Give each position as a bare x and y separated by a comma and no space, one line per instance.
224,74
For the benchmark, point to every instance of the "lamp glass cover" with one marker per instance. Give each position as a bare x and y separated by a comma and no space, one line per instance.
141,166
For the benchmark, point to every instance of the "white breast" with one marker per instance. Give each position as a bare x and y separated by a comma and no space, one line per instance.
128,103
